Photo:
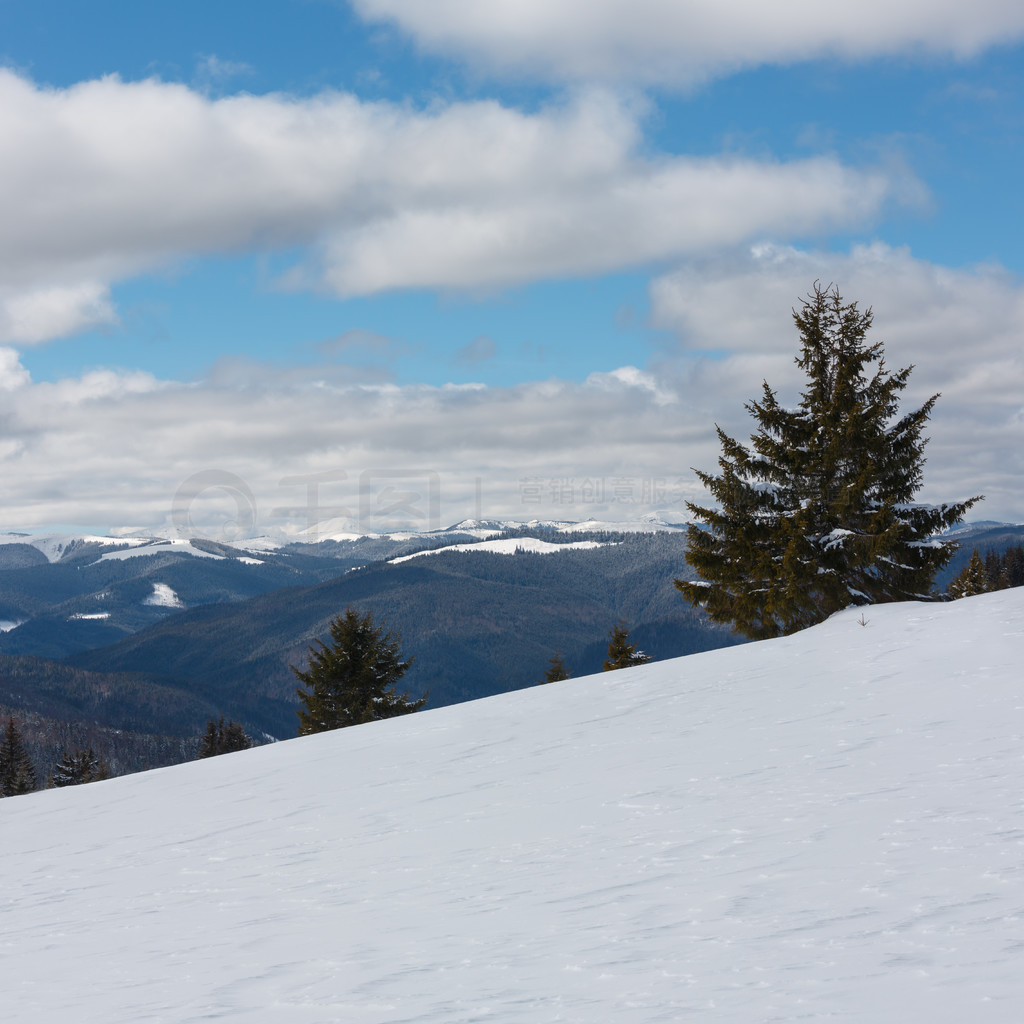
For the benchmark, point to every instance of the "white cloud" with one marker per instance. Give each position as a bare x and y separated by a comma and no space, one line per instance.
12,373
632,377
40,314
213,70
107,451
639,214
686,41
108,179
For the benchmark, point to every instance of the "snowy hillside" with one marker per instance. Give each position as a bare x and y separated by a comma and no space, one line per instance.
827,826
508,546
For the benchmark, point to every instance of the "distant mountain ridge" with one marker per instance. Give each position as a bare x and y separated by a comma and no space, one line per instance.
62,593
477,622
219,624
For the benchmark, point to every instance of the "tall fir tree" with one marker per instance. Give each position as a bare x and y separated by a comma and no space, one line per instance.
17,772
818,514
621,653
352,680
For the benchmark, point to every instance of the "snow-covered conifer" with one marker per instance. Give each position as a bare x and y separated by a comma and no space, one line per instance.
972,579
76,767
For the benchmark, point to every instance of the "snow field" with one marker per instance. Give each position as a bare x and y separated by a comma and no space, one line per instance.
823,827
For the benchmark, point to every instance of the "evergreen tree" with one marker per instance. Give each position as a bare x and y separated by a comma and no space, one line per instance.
557,670
223,739
972,579
1005,570
77,767
17,772
1013,566
351,681
621,653
817,514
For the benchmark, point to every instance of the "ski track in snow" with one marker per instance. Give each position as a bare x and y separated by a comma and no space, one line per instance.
823,827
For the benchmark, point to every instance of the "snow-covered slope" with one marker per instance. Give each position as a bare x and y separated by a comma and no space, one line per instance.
508,546
56,546
823,827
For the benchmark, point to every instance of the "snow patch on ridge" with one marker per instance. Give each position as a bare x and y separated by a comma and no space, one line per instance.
163,597
56,546
158,546
508,546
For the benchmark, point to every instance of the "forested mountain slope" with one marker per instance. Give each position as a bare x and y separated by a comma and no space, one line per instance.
131,720
477,624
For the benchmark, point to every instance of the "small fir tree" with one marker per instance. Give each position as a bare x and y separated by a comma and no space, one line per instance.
1013,566
223,739
352,681
557,670
621,653
817,514
17,772
1005,570
78,767
972,579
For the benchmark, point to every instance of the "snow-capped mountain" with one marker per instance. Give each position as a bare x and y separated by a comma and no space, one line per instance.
822,827
57,547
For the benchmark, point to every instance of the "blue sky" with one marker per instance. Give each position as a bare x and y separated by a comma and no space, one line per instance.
494,243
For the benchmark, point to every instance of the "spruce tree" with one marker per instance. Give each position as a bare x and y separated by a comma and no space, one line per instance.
817,514
972,579
17,772
621,653
223,739
1005,570
78,767
557,670
352,680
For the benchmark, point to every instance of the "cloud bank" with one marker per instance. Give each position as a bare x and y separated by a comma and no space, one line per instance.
111,449
684,42
108,179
